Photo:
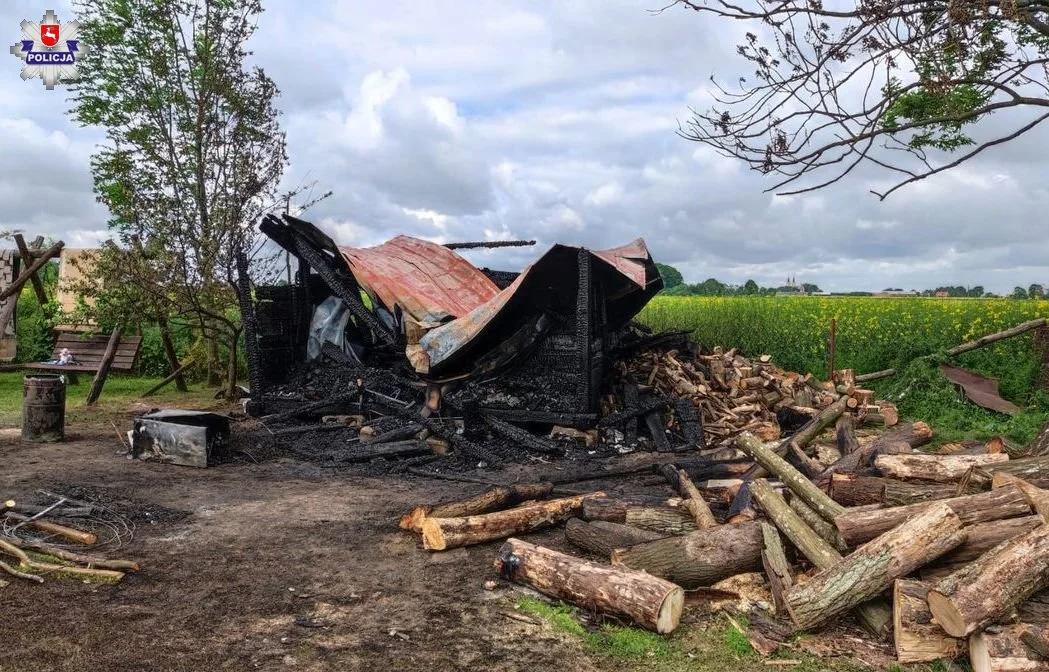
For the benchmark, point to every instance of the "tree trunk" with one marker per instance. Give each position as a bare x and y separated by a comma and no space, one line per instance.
213,361
803,436
231,369
983,537
874,567
938,468
667,520
992,338
876,615
1010,649
613,509
851,490
601,537
791,477
859,526
918,639
992,585
1034,470
169,351
492,499
913,435
845,434
700,558
777,567
644,599
440,534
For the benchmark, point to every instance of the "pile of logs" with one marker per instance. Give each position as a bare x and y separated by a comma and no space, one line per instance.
945,553
33,536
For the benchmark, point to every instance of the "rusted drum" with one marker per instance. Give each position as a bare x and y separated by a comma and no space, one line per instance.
44,408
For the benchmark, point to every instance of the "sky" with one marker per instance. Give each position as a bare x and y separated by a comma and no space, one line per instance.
553,120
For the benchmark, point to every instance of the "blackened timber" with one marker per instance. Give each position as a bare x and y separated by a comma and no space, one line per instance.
463,445
642,408
524,437
344,289
632,397
670,472
691,425
313,406
489,244
583,329
251,325
305,429
658,430
387,450
577,420
398,434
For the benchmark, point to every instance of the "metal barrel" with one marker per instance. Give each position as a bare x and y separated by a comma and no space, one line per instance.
44,408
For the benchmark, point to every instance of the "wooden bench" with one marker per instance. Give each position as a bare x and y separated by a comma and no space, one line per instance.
88,351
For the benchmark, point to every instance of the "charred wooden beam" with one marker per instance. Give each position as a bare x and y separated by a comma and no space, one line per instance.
522,436
489,244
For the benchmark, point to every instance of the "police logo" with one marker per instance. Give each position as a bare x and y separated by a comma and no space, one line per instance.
49,50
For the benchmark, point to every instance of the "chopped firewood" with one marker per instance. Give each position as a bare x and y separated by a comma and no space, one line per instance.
858,526
937,468
646,600
874,567
440,534
992,585
917,637
699,558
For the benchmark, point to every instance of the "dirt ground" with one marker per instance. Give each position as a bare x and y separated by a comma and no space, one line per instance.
273,566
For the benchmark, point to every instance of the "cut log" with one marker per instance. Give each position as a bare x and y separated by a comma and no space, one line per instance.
1034,470
700,558
777,567
791,477
601,537
859,526
440,534
741,509
666,520
983,537
1036,497
937,468
917,637
694,502
913,435
803,436
73,534
845,433
851,490
874,567
492,499
992,585
646,600
876,375
876,615
826,530
1013,648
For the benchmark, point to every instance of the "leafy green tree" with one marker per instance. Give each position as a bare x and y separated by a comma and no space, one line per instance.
976,291
810,288
1018,293
193,154
710,287
671,276
930,70
750,288
1035,291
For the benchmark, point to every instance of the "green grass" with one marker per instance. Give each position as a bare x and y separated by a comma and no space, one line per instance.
875,334
712,647
119,393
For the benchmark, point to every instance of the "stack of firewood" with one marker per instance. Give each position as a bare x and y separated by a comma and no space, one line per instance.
943,553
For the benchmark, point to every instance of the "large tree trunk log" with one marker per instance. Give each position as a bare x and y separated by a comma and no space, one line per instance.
876,614
666,520
993,584
913,435
1036,497
694,502
1034,470
492,499
443,533
845,433
644,599
859,526
700,558
791,477
777,567
852,490
803,436
613,509
874,567
1010,649
938,468
917,637
601,537
983,537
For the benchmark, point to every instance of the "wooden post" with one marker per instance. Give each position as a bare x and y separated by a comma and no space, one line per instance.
30,271
833,348
27,259
103,367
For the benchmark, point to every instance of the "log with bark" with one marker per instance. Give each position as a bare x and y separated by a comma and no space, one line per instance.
874,567
492,499
875,615
699,558
70,533
601,537
853,490
1036,497
917,637
646,600
777,567
694,502
440,534
936,468
791,477
826,530
992,585
666,520
1016,647
858,526
900,439
1034,470
613,509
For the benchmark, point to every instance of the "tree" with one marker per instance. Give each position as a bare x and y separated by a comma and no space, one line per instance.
976,291
810,288
889,85
750,288
710,287
193,154
1035,291
1018,293
671,276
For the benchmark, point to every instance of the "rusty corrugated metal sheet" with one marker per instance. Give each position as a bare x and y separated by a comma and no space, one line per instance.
428,281
980,390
